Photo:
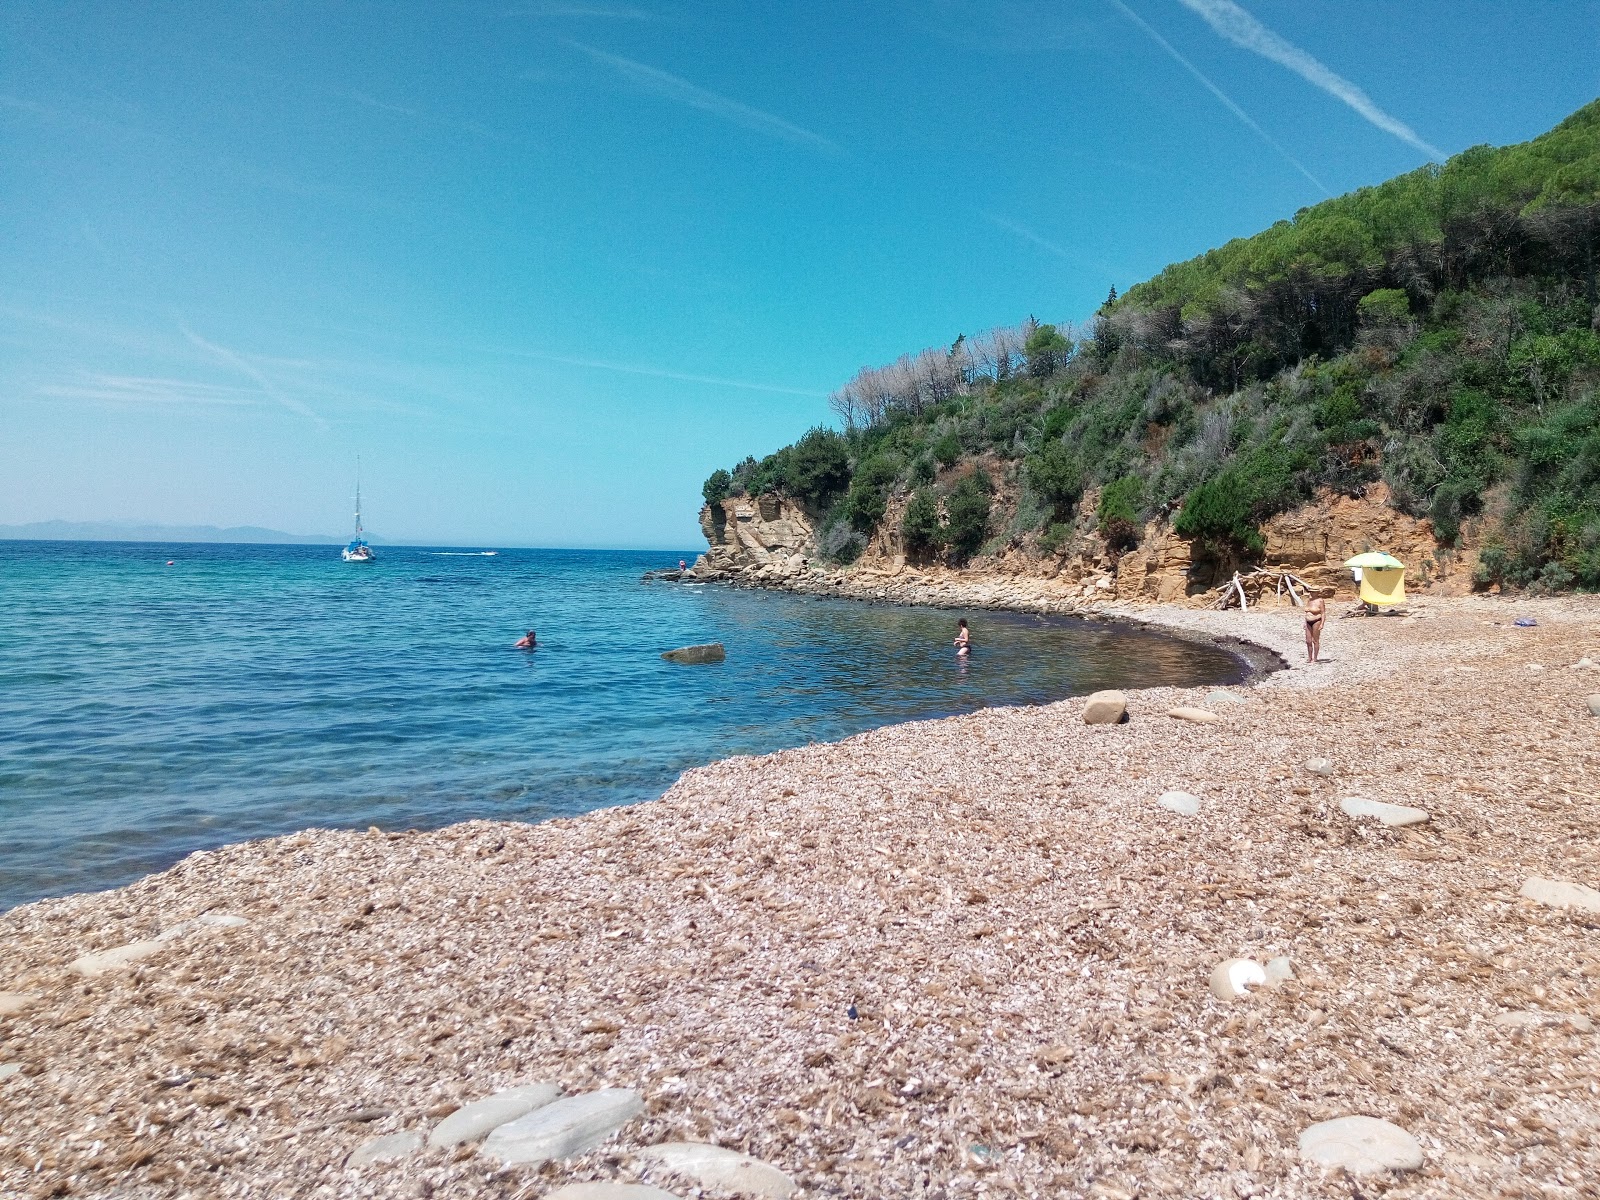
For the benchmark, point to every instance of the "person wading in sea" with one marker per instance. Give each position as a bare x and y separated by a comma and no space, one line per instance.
963,642
527,642
1316,612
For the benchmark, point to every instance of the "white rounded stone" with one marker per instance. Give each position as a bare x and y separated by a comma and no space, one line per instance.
1361,1145
473,1121
563,1128
1235,977
385,1149
718,1167
1280,969
110,960
14,1002
609,1191
7,1070
1387,814
1180,802
1319,766
1559,894
1200,716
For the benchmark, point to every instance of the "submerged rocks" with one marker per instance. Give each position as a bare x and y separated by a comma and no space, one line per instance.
1180,802
709,652
563,1128
1235,977
1105,708
1560,894
385,1149
1361,1145
1387,814
716,1167
1200,716
473,1121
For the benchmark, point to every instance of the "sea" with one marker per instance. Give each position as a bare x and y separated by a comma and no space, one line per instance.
160,699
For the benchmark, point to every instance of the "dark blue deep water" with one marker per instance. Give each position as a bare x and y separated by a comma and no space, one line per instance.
149,710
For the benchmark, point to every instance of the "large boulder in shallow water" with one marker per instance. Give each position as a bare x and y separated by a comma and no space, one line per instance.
709,653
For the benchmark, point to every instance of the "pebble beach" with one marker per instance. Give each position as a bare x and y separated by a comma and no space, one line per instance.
972,957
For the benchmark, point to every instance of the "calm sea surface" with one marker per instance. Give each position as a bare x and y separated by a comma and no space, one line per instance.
149,710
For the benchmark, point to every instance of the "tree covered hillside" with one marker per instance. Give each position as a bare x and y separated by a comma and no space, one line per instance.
1440,332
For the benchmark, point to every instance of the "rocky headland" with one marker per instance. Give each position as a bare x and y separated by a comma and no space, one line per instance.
1008,953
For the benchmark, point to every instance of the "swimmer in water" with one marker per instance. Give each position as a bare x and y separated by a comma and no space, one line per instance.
963,642
528,641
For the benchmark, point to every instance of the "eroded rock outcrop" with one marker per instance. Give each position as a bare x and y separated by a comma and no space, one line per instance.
762,538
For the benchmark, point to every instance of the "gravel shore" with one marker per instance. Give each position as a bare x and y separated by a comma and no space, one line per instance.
956,958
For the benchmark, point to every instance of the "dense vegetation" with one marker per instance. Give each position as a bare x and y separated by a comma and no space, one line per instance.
1440,331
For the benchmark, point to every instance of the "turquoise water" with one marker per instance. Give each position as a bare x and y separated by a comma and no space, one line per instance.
149,710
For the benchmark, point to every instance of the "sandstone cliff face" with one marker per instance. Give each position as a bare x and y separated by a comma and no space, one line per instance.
758,538
772,539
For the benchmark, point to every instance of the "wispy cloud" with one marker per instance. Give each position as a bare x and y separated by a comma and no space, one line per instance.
1227,102
670,87
242,364
151,391
1087,266
601,364
1243,30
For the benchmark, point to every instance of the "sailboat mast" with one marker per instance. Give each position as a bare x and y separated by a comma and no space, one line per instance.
358,495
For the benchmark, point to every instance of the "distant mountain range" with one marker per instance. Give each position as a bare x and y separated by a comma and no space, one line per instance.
136,531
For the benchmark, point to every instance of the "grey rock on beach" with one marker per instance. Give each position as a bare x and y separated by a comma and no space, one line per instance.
1105,708
388,1148
564,1128
1221,697
1361,1145
605,1190
1594,705
1180,802
7,1070
1560,894
1387,814
473,1121
14,1002
1319,766
709,652
717,1167
1200,716
92,965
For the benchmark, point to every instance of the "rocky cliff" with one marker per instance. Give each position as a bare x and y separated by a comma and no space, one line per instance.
773,540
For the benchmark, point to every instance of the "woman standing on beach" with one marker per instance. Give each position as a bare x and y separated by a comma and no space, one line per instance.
1316,613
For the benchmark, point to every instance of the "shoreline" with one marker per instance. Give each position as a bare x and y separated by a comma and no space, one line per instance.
1022,936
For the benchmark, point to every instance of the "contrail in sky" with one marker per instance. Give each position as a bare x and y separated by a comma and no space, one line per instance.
671,87
1243,30
239,362
1219,94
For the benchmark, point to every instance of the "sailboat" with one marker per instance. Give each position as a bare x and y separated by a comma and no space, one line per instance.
358,550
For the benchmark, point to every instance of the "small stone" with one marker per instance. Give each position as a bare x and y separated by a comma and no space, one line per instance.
564,1128
385,1149
1199,716
1235,977
1594,705
1319,766
109,960
717,1167
473,1121
1387,814
1221,697
1535,666
7,1070
609,1191
1280,969
203,922
710,652
14,1002
1180,802
1361,1145
1586,664
1105,708
1560,894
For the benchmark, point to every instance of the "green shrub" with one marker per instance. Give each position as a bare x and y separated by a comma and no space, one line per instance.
1225,512
717,487
1386,306
1118,512
1056,475
967,507
1055,536
868,497
817,468
923,532
947,450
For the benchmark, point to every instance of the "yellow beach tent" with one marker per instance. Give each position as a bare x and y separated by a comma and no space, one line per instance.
1383,578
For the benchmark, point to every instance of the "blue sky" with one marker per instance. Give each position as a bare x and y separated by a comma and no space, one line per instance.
547,264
